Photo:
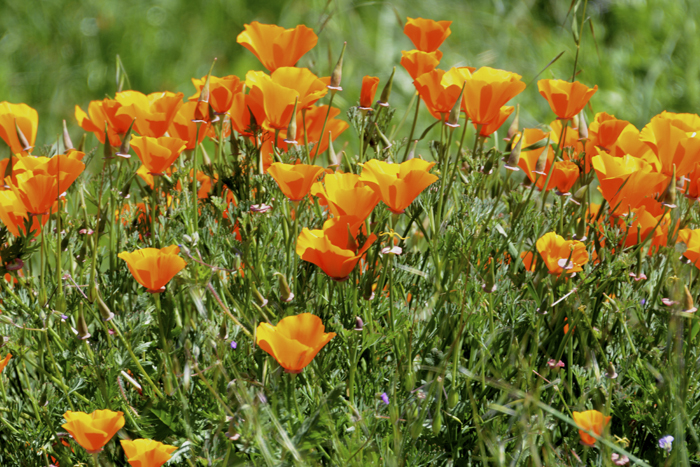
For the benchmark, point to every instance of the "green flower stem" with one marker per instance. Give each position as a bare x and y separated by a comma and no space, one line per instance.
306,137
323,128
195,201
167,383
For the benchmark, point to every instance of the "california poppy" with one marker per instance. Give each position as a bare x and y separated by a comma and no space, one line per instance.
147,452
335,248
649,220
295,341
691,185
417,62
295,180
590,420
427,34
315,117
346,195
153,113
245,111
564,175
276,100
14,215
184,128
94,122
398,184
672,144
157,154
310,88
93,431
565,98
275,46
487,91
528,158
221,91
153,268
561,255
5,361
604,130
369,89
439,97
489,128
691,238
24,117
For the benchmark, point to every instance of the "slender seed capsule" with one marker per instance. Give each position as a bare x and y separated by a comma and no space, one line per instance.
337,73
386,92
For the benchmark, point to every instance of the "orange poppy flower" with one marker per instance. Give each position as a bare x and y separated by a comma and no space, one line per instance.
157,154
369,89
590,420
147,452
93,431
604,131
571,144
13,214
346,195
529,260
629,142
309,87
649,220
153,113
438,96
398,184
490,128
561,255
691,238
295,180
5,361
118,123
94,122
528,159
637,175
691,183
184,128
565,98
672,144
275,46
487,91
26,118
417,62
221,91
315,117
245,105
205,183
295,341
153,268
564,175
276,100
427,35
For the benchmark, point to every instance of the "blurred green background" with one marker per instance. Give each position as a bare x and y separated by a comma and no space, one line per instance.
59,53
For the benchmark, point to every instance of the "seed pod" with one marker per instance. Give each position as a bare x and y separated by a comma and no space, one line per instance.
452,399
386,92
453,119
105,313
437,422
337,73
83,332
286,294
514,157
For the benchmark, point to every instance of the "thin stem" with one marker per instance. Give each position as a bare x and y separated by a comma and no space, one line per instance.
323,128
413,129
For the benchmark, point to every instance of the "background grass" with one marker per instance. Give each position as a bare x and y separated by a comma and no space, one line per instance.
58,53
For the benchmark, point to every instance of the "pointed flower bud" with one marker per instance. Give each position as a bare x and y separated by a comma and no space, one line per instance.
514,157
513,129
286,294
259,299
126,143
83,332
67,143
542,160
582,127
386,92
337,74
453,119
22,139
689,306
105,313
292,128
668,198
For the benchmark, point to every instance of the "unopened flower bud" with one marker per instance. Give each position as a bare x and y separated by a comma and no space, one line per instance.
385,140
337,73
453,119
688,305
105,313
292,127
513,128
541,165
67,143
668,198
259,299
359,324
582,127
386,92
22,139
83,332
286,294
125,147
514,157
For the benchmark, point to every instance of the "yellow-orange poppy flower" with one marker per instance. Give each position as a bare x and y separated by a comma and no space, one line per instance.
24,117
335,248
427,35
221,91
153,268
310,88
398,184
691,238
14,215
439,96
94,122
565,98
590,420
5,361
561,255
346,195
487,91
528,159
275,46
417,62
315,117
244,106
276,100
184,128
369,89
93,431
157,154
295,341
672,144
153,113
564,175
490,128
649,220
147,452
295,180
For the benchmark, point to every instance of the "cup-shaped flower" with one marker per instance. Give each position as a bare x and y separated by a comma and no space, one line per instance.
157,154
295,180
275,46
315,117
153,268
673,145
529,158
417,62
94,122
153,113
335,248
184,128
5,361
221,91
490,128
691,238
276,100
346,195
487,91
427,35
147,452
565,98
24,117
369,89
93,431
13,214
309,87
564,175
439,96
561,255
649,220
398,184
295,341
590,420
64,167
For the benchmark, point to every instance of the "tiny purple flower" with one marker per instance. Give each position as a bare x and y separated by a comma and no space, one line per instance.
234,345
666,443
385,398
64,317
